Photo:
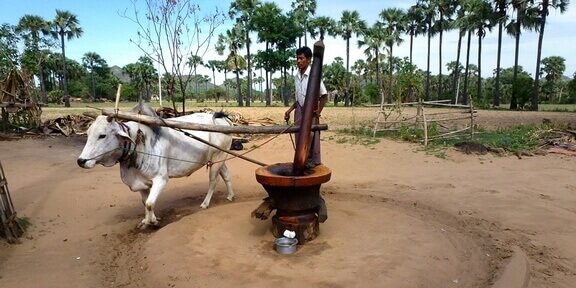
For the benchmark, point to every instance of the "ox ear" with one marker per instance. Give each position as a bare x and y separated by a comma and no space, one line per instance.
124,136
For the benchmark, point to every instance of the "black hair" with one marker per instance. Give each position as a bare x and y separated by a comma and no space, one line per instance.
304,50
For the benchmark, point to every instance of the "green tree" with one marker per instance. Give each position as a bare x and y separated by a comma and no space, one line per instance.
554,67
350,23
572,90
444,10
374,38
501,9
322,25
544,9
304,10
233,41
335,76
8,49
414,25
244,11
527,18
393,22
91,61
213,65
193,62
65,25
31,27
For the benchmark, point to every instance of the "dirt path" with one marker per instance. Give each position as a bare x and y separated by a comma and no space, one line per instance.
397,218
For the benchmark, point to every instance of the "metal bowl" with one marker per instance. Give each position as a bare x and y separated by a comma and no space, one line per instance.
285,245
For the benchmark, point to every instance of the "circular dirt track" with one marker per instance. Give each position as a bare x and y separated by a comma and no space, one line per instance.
362,244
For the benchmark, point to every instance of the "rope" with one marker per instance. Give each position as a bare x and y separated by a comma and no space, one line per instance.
209,163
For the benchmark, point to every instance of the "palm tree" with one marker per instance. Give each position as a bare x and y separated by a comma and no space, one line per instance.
233,41
428,11
244,10
322,25
501,7
349,23
65,25
461,33
544,6
374,38
193,62
91,60
304,9
30,27
445,9
393,21
483,18
526,17
222,67
414,25
268,25
213,65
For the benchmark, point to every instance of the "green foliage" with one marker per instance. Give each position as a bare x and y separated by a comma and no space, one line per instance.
8,49
514,139
571,90
55,96
369,94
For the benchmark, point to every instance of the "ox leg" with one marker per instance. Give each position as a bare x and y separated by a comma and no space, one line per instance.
150,218
226,177
214,172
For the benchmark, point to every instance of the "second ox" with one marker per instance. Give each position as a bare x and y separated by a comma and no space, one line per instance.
150,155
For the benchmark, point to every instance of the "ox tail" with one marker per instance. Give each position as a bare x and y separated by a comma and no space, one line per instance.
223,115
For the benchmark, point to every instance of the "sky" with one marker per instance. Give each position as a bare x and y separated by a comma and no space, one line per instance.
107,33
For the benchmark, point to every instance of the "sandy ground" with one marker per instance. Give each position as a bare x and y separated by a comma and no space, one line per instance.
397,218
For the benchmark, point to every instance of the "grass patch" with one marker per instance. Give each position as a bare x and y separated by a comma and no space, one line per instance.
354,136
516,139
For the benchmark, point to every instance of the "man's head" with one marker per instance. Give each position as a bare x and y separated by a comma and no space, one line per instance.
303,58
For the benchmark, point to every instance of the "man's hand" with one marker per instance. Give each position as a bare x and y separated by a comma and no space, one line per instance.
287,116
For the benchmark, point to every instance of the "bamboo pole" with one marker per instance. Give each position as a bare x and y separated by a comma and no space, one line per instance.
449,119
276,129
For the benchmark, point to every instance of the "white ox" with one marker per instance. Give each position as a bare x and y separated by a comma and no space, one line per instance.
149,155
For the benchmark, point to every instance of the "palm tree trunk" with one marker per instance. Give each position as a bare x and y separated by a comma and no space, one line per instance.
465,98
457,70
378,81
496,100
347,91
479,84
514,99
43,85
93,84
440,58
249,93
390,81
536,91
239,89
226,85
214,82
428,64
64,72
411,46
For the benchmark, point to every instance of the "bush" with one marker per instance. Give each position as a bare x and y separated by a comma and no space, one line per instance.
55,96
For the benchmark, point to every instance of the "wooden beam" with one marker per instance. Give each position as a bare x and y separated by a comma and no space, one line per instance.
276,129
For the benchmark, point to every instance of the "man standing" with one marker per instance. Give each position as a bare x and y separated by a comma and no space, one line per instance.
303,59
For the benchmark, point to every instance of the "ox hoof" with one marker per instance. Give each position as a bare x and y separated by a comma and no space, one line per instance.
230,198
204,205
148,224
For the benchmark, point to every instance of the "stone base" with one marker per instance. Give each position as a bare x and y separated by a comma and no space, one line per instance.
304,223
